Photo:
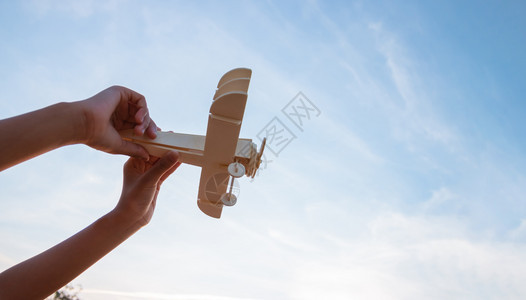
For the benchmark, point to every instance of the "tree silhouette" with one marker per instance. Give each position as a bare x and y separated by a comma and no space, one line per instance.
69,292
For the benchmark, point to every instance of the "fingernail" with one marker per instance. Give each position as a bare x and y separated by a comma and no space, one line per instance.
172,156
145,156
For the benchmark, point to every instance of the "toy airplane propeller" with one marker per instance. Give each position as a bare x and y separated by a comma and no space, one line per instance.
221,154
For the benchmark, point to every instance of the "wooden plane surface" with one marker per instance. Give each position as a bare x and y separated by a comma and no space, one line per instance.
219,148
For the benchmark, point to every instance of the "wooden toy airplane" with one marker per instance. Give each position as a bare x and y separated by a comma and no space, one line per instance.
221,154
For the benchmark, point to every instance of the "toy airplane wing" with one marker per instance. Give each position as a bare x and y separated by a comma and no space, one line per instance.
224,124
221,154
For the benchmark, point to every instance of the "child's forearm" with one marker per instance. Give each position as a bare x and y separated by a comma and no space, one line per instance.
31,134
49,271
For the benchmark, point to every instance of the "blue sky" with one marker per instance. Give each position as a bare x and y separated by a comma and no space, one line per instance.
409,184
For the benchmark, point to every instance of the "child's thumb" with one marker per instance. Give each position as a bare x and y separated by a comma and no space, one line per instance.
154,174
132,149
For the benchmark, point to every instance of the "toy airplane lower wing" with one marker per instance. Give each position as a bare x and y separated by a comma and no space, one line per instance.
221,154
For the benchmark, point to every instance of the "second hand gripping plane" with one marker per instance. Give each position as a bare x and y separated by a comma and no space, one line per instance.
221,154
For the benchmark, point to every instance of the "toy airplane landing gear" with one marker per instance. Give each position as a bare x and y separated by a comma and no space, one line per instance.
235,170
221,154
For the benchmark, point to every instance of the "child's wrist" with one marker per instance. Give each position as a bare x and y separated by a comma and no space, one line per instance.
126,219
74,127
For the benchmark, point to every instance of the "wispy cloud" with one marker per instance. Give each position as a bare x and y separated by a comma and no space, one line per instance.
82,9
103,294
416,113
410,257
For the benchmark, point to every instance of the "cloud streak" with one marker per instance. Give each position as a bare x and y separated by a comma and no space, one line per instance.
103,294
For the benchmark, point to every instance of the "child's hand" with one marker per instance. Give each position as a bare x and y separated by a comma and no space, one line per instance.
142,181
114,109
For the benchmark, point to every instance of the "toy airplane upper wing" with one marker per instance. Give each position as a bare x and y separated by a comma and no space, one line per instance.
221,154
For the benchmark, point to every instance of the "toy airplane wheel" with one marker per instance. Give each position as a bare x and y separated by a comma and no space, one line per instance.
236,170
228,199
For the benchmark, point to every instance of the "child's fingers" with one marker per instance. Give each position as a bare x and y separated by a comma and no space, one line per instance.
156,172
169,172
151,131
131,149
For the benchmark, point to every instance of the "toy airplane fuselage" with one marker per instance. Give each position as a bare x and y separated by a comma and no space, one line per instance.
221,154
